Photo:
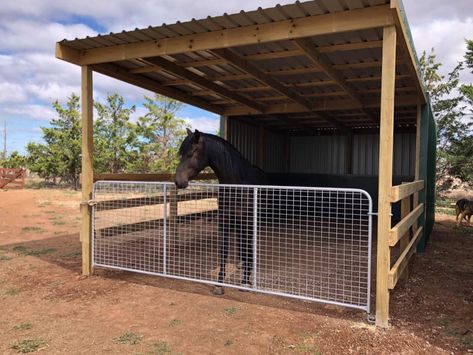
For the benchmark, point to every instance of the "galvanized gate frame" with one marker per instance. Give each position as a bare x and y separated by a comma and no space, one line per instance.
166,186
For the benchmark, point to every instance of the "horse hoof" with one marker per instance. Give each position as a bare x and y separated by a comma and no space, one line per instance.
218,291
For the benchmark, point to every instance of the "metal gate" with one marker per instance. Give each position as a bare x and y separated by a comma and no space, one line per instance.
301,242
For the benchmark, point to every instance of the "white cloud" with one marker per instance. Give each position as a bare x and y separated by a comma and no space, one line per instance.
204,124
34,111
449,45
12,93
24,35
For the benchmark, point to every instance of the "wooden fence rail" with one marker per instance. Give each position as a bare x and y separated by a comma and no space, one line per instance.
12,178
405,228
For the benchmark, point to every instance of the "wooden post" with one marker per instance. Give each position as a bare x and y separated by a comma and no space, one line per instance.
417,166
404,242
87,168
385,174
224,127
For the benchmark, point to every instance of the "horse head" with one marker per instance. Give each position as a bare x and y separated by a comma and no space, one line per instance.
192,158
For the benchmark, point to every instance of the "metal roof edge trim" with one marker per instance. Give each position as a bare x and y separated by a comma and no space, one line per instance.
399,5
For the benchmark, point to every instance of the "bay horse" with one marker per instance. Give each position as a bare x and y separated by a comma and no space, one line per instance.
235,207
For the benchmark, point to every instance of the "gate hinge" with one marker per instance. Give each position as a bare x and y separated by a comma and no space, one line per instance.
90,203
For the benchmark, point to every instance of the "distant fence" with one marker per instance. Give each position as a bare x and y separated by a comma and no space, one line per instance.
12,178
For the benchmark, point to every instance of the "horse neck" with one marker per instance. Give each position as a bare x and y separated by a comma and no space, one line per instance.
228,164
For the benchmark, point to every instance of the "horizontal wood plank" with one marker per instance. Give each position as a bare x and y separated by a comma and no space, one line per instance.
149,201
396,271
396,233
400,192
147,177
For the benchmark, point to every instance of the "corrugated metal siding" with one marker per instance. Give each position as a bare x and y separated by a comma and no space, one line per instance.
274,152
404,154
326,154
366,154
318,154
245,138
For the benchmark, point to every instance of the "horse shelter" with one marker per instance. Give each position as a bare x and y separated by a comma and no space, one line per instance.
326,97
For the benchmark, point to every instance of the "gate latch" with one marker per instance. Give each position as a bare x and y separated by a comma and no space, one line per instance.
90,203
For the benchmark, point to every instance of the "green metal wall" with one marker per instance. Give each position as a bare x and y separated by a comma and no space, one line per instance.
428,155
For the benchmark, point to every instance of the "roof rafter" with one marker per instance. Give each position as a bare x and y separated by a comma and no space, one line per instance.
324,63
119,73
260,75
201,81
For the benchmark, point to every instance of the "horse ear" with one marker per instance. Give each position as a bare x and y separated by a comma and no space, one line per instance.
196,136
189,132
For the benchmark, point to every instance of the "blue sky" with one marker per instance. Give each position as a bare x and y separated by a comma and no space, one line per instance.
32,78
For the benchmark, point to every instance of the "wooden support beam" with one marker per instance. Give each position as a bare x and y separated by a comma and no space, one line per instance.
258,74
400,192
87,168
146,177
403,260
203,63
175,69
322,49
386,131
343,21
319,105
396,233
119,73
321,60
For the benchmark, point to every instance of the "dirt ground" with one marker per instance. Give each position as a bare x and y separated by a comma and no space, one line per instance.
46,306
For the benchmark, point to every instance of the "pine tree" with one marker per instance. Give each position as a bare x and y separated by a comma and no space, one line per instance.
60,156
115,140
161,133
453,127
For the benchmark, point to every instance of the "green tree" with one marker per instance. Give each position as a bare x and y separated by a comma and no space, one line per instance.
15,160
453,129
160,132
60,156
115,139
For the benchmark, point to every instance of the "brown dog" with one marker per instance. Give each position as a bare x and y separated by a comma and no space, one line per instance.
464,209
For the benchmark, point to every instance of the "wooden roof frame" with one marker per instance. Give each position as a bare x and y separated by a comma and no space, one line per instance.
229,100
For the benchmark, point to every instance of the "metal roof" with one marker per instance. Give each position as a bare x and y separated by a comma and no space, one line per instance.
263,79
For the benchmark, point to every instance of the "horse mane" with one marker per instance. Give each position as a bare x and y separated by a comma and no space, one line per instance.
224,155
223,145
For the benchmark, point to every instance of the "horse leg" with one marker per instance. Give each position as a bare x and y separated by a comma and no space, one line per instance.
223,255
246,239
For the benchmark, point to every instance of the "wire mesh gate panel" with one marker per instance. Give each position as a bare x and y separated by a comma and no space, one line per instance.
308,243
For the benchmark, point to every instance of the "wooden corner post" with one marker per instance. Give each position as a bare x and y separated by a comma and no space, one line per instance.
385,174
87,168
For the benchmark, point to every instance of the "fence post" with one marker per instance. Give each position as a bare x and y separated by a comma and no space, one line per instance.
385,174
255,235
87,168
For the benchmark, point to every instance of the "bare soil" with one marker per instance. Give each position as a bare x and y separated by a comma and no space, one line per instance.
44,298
